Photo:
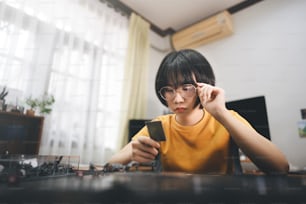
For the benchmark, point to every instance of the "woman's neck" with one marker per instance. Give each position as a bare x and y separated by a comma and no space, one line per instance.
192,118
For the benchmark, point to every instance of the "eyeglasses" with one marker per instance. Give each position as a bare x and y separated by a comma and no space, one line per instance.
186,90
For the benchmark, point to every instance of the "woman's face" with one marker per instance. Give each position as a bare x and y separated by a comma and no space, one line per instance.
180,100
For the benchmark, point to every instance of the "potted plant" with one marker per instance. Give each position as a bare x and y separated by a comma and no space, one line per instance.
3,94
43,104
46,103
33,103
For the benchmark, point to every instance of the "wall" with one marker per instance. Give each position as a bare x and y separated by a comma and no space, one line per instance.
263,57
159,48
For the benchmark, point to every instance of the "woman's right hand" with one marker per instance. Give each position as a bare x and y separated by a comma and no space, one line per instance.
144,149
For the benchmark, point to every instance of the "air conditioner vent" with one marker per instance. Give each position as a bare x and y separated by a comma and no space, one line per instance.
206,31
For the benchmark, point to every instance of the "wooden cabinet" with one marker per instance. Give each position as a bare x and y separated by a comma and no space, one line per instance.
20,134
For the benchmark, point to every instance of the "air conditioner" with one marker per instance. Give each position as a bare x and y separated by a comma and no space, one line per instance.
208,30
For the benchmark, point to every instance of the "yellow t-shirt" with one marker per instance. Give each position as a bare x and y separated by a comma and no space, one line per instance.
200,148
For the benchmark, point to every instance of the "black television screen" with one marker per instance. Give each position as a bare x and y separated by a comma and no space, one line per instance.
254,111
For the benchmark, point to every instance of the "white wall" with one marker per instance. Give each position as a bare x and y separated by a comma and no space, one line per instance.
159,48
265,56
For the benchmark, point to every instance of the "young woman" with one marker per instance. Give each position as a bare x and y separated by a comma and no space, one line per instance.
199,130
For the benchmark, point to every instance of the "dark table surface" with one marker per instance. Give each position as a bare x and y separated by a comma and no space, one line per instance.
153,188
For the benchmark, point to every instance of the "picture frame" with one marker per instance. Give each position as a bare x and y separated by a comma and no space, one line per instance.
302,128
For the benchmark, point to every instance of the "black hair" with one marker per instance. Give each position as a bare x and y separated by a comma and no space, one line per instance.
181,67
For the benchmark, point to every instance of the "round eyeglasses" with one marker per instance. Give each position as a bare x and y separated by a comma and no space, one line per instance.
186,90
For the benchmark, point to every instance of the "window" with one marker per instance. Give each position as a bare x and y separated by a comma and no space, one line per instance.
77,54
14,56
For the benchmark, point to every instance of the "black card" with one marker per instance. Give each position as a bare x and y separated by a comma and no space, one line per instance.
156,130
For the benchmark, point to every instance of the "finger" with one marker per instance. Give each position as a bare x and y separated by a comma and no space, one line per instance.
214,93
203,94
209,92
143,144
142,159
200,84
141,152
140,155
148,142
148,149
203,87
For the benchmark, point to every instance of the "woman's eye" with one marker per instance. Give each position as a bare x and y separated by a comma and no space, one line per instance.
186,88
168,90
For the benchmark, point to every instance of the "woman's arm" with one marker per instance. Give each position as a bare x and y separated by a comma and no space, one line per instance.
123,156
259,149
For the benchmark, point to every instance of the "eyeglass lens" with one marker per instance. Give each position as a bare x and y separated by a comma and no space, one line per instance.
186,90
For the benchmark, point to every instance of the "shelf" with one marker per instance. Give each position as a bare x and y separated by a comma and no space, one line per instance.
20,134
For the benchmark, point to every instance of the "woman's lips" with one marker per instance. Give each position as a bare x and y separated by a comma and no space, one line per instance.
180,109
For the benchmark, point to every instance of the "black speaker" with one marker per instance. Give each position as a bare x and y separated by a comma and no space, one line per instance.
135,125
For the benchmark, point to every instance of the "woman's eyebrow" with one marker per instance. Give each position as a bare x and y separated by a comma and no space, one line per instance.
189,82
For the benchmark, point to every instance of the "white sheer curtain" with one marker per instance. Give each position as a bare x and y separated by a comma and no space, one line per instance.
75,50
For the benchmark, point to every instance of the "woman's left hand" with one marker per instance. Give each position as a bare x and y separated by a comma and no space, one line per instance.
212,98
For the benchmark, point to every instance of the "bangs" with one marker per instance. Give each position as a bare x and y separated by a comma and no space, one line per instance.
177,74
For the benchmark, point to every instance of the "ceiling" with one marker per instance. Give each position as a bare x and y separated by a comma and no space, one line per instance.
169,16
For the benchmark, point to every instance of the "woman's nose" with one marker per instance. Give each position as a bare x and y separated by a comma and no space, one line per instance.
178,97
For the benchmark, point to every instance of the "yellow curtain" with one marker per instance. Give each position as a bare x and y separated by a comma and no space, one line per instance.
135,76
